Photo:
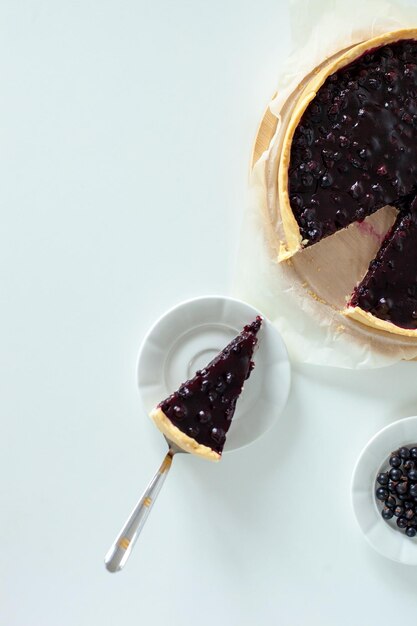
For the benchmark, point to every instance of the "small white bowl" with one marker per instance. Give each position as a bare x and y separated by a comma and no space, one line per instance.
384,537
189,335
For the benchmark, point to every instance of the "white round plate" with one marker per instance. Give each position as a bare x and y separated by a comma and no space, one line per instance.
384,537
188,336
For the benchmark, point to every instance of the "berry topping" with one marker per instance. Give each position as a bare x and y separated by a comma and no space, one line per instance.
212,396
192,431
179,412
205,385
218,435
203,416
359,131
184,392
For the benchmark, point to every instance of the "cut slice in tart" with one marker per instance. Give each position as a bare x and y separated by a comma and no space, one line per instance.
386,298
198,415
350,147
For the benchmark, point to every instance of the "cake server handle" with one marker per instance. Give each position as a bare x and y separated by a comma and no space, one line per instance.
121,549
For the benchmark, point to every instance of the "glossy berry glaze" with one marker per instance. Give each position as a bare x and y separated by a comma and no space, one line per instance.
203,407
355,148
389,289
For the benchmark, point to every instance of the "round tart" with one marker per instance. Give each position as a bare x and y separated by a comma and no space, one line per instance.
350,148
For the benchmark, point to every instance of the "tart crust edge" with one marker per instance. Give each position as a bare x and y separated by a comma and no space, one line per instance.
358,314
174,434
293,239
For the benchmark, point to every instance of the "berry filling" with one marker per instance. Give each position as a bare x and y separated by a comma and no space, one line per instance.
396,490
389,288
355,148
203,407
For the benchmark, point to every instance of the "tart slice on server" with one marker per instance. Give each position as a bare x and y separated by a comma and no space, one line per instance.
198,415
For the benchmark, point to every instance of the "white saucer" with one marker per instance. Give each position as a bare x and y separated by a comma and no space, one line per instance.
384,537
189,335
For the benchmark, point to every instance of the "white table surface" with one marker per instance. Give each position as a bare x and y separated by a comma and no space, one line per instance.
126,129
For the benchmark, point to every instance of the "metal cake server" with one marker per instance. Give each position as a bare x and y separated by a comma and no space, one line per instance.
116,558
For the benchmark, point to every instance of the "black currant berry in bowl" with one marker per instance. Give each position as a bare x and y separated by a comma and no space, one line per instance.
384,491
396,490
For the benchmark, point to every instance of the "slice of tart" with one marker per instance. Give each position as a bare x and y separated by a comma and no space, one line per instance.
198,415
350,147
386,298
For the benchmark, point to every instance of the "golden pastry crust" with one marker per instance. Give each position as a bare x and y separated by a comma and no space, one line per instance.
174,434
358,314
293,240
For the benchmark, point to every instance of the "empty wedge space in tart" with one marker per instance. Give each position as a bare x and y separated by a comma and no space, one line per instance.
350,148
